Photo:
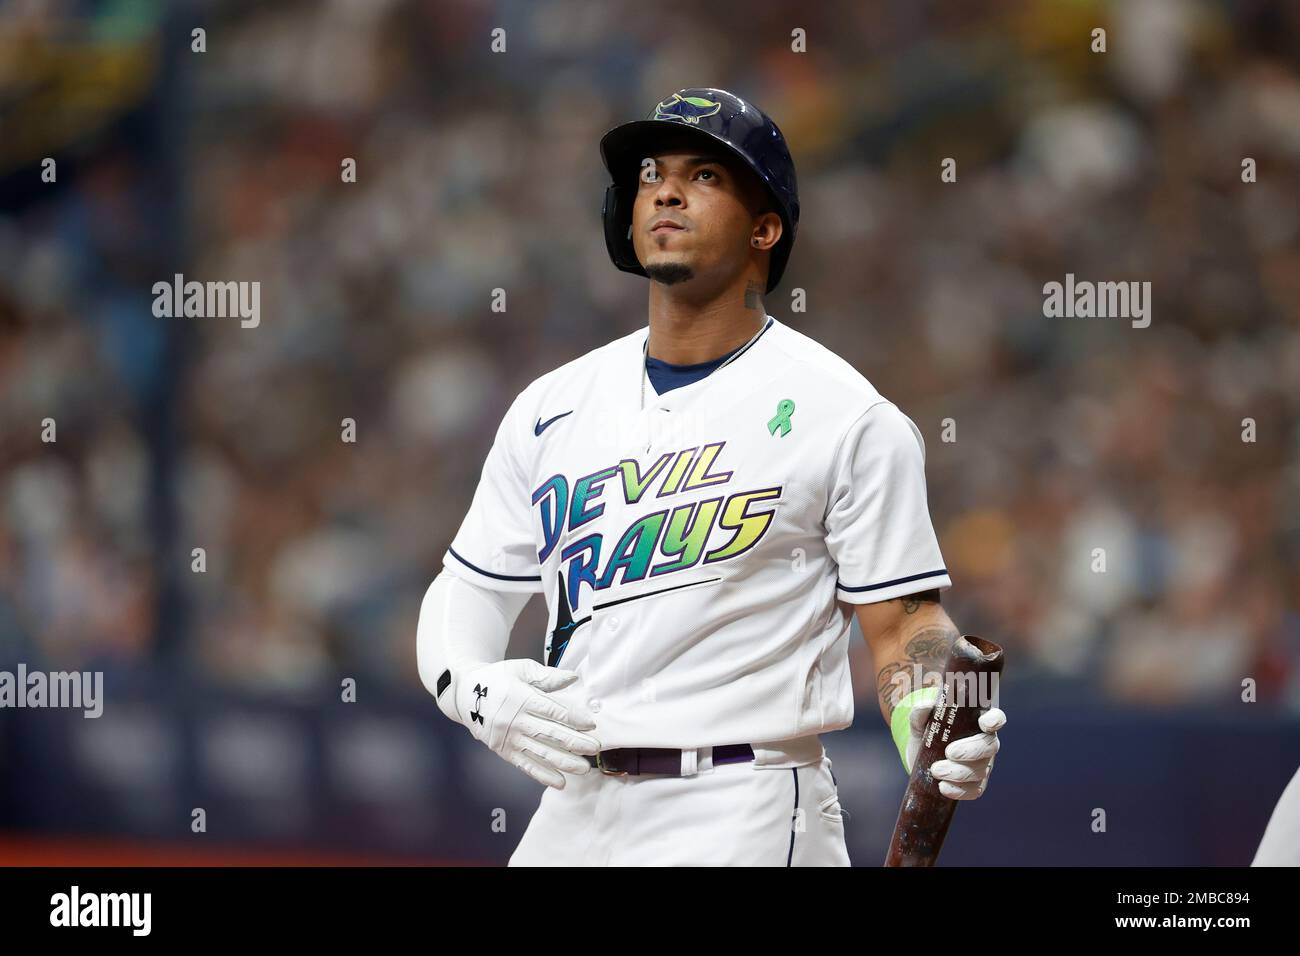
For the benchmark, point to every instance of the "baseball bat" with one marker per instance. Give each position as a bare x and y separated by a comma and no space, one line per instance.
926,814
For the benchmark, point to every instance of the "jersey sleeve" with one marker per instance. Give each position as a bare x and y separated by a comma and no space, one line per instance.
495,547
878,526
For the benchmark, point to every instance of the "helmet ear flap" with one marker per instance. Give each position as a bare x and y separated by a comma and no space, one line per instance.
617,214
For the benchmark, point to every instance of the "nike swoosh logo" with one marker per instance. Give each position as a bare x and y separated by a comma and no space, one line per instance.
541,426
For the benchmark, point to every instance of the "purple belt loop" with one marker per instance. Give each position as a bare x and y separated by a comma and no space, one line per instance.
732,753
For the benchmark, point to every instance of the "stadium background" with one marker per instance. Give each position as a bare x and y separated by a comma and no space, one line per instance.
479,171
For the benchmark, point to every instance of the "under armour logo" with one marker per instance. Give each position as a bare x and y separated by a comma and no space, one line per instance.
479,693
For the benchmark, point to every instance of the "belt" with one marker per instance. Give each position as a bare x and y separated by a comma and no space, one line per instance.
634,761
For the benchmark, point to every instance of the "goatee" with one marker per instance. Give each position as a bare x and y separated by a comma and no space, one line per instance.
670,273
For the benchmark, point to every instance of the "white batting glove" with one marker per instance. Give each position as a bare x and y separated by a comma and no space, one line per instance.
508,705
964,772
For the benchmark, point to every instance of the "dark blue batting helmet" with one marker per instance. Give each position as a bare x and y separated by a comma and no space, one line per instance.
718,116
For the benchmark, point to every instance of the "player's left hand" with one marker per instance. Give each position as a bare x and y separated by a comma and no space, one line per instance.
964,772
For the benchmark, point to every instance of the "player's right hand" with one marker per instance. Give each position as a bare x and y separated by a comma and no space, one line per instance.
508,705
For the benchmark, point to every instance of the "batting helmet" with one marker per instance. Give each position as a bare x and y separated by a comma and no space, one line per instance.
719,117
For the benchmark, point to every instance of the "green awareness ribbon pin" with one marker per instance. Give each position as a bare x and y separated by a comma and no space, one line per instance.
784,409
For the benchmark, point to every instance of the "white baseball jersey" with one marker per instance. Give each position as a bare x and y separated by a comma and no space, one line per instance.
1281,843
693,547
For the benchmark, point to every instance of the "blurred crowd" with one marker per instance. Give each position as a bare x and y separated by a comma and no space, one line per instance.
1097,506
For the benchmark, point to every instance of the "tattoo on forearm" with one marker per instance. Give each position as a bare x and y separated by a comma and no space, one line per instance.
930,646
887,681
921,665
912,603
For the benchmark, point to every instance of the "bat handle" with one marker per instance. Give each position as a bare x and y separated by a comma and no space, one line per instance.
970,681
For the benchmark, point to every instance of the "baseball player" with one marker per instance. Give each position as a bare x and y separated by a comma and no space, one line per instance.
1280,845
704,503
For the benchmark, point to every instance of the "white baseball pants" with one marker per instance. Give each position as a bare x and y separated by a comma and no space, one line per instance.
736,814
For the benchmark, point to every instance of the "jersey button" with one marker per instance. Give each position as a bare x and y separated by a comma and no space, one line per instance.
612,624
593,705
